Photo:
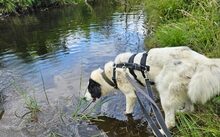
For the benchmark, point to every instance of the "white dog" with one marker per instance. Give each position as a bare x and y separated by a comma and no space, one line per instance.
182,77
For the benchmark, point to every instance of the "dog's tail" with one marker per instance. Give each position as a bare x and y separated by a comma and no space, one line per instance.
205,84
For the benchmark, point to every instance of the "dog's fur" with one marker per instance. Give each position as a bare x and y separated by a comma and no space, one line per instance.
182,77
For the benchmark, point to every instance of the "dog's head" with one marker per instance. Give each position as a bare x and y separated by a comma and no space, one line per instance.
97,86
94,89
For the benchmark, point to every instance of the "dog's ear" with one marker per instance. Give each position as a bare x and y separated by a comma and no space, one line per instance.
94,89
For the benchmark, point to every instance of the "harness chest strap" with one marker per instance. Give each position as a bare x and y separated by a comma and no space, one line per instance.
131,60
143,62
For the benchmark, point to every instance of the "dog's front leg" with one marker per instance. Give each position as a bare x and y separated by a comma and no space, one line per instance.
169,108
130,103
169,118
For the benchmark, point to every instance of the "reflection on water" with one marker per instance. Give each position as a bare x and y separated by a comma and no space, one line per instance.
59,40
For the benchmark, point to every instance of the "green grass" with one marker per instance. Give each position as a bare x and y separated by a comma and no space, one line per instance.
193,23
203,122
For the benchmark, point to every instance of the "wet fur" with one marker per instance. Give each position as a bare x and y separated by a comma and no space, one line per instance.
182,77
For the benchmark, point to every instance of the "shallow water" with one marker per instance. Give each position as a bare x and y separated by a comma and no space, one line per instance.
66,44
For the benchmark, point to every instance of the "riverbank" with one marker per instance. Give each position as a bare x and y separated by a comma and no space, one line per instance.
11,7
195,24
185,22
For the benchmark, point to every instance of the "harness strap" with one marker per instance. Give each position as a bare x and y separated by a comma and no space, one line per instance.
143,62
133,66
114,76
108,80
149,119
131,60
156,110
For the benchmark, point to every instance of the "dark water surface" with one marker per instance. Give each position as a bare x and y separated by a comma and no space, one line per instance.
60,40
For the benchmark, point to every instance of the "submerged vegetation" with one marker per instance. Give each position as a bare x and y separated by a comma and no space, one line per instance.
193,23
30,103
22,6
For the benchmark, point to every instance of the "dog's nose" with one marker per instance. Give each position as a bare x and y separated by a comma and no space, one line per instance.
84,98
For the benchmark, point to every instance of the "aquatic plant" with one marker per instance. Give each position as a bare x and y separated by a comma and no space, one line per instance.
80,114
33,108
30,103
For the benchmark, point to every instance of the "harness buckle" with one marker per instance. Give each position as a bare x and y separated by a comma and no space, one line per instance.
114,66
146,75
124,67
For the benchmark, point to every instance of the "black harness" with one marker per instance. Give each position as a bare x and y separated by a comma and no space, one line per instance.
131,60
133,66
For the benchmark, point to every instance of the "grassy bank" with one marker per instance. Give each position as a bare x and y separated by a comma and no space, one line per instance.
23,6
193,23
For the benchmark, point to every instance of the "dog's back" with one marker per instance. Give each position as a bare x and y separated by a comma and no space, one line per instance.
158,57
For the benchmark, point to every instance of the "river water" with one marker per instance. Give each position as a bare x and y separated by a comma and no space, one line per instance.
57,49
60,40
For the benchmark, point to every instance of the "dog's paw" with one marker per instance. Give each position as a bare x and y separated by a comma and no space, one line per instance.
128,113
171,125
